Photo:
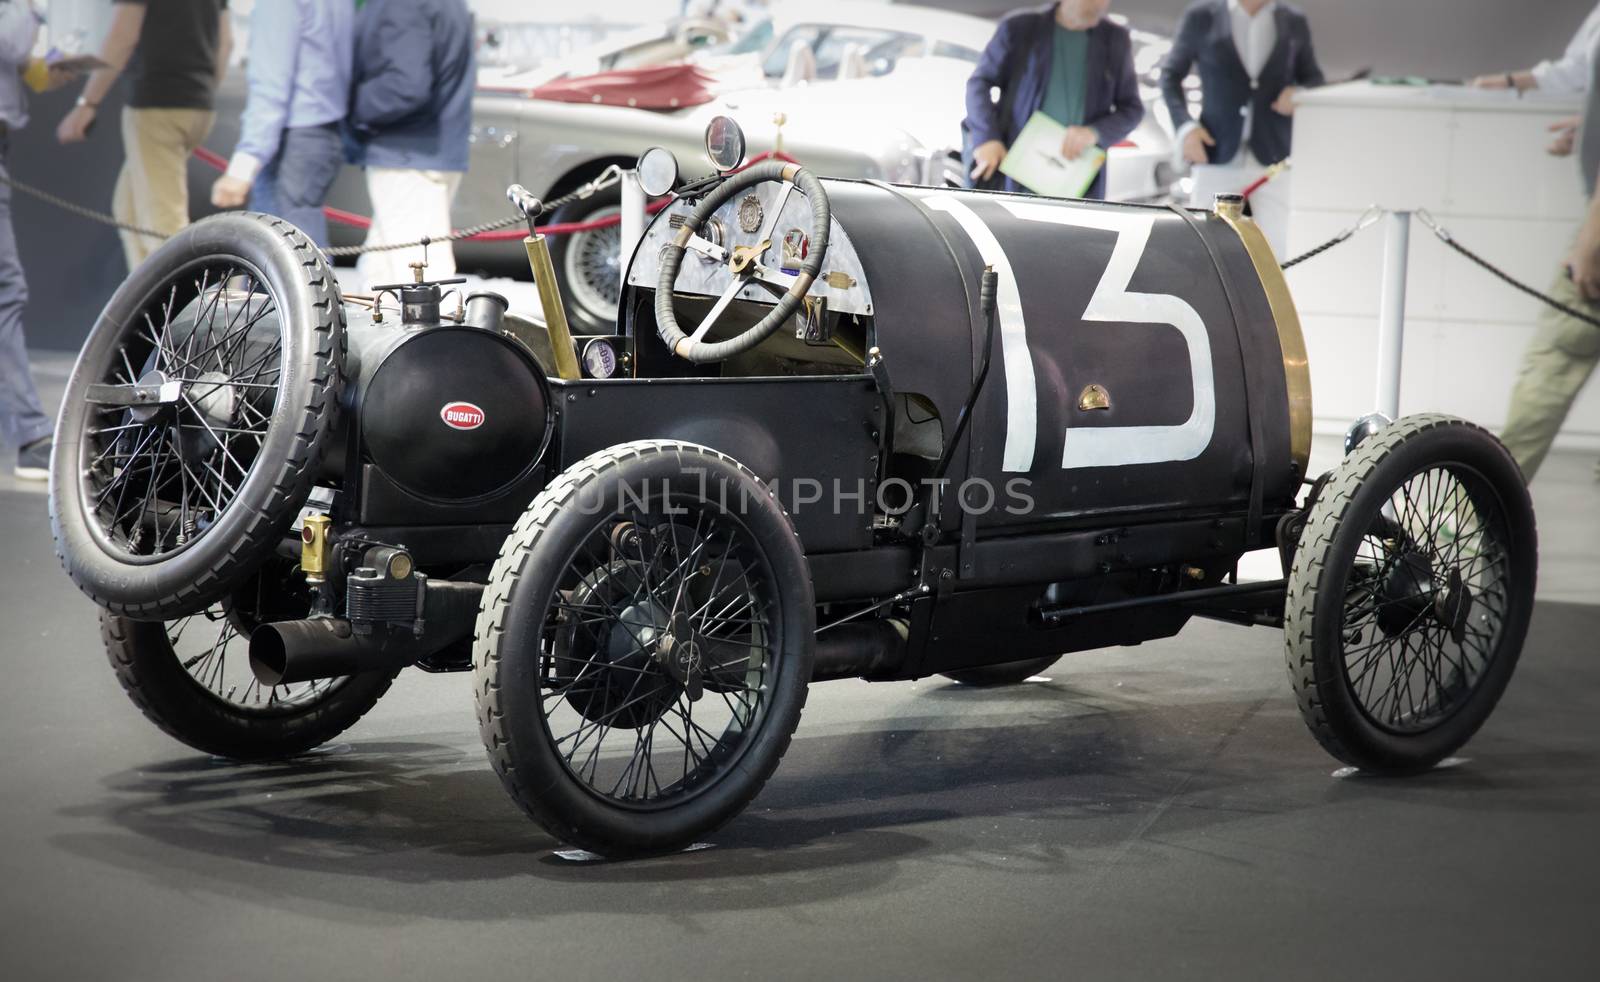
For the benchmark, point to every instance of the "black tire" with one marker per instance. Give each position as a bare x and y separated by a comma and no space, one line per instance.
260,391
548,643
1416,570
1009,673
588,264
199,689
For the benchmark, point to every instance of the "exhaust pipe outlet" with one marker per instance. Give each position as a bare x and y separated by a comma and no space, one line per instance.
282,652
858,648
328,647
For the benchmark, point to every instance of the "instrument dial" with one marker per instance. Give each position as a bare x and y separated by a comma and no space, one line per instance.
600,358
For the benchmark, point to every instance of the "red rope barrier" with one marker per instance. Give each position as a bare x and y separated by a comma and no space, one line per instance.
342,217
1261,181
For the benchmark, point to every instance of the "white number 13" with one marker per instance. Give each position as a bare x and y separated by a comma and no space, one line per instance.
1104,446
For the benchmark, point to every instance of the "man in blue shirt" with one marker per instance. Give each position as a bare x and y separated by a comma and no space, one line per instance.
289,151
411,123
22,419
1066,60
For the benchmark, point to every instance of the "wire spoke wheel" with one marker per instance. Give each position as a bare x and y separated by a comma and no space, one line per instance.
191,675
644,647
1410,594
592,268
180,417
654,662
213,645
193,424
1428,598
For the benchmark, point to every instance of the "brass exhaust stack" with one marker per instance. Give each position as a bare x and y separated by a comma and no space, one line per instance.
555,313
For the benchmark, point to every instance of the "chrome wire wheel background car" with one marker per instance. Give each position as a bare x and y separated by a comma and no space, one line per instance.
1410,594
192,677
193,423
590,262
591,270
644,648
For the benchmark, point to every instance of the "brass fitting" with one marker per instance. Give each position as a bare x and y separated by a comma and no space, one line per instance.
314,547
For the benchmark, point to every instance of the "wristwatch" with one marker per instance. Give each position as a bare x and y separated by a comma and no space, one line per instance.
84,103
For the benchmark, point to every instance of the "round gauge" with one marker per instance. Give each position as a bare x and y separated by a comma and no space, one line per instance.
600,358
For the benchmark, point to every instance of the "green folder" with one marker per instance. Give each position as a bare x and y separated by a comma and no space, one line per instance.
1035,162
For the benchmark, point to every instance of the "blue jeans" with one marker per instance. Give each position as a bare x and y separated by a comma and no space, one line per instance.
294,184
22,417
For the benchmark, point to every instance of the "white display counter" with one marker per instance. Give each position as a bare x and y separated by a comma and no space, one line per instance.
1477,162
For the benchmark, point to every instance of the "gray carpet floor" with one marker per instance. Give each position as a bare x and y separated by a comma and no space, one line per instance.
1157,811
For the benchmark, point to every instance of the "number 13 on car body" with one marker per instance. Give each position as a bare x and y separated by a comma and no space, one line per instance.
1112,302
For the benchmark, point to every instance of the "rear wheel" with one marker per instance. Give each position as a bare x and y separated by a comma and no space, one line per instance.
644,647
1410,594
191,676
1010,673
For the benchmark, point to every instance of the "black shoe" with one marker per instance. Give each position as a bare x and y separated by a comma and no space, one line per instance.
33,461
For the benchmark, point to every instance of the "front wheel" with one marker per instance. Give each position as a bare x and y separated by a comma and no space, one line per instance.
1410,594
644,647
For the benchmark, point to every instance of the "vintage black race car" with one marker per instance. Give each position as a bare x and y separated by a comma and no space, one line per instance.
842,429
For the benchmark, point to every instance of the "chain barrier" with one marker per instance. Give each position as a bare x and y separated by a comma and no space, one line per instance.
76,209
1368,218
1444,236
613,174
606,179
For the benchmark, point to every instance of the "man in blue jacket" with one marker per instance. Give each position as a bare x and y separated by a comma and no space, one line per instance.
410,121
1252,56
289,150
1065,60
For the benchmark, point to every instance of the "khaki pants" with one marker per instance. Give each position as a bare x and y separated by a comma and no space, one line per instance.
406,206
153,187
1555,366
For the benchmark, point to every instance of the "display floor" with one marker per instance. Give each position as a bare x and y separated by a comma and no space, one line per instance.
1157,811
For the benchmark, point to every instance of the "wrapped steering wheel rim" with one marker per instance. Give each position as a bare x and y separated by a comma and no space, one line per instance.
693,348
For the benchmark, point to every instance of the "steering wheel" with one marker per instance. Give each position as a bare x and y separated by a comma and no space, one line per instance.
744,263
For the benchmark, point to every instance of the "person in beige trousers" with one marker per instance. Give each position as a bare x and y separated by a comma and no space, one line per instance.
175,52
1563,353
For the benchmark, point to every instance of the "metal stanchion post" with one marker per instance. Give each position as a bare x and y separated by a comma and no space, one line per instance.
633,215
1392,310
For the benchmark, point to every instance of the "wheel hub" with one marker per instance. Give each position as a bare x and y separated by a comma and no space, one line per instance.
682,653
149,402
618,679
214,397
1407,592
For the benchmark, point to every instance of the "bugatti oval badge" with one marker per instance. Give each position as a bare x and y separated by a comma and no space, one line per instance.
461,415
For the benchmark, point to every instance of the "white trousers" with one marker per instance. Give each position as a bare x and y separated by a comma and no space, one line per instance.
407,205
1269,204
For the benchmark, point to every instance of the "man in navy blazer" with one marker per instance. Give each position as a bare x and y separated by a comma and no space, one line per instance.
1252,56
1095,85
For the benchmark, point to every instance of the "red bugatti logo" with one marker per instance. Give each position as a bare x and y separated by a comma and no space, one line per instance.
461,415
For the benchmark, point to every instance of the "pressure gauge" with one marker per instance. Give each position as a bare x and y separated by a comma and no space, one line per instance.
600,358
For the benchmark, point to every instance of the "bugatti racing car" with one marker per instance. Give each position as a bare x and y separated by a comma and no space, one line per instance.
840,429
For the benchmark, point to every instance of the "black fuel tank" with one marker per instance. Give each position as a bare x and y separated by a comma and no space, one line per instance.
448,413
